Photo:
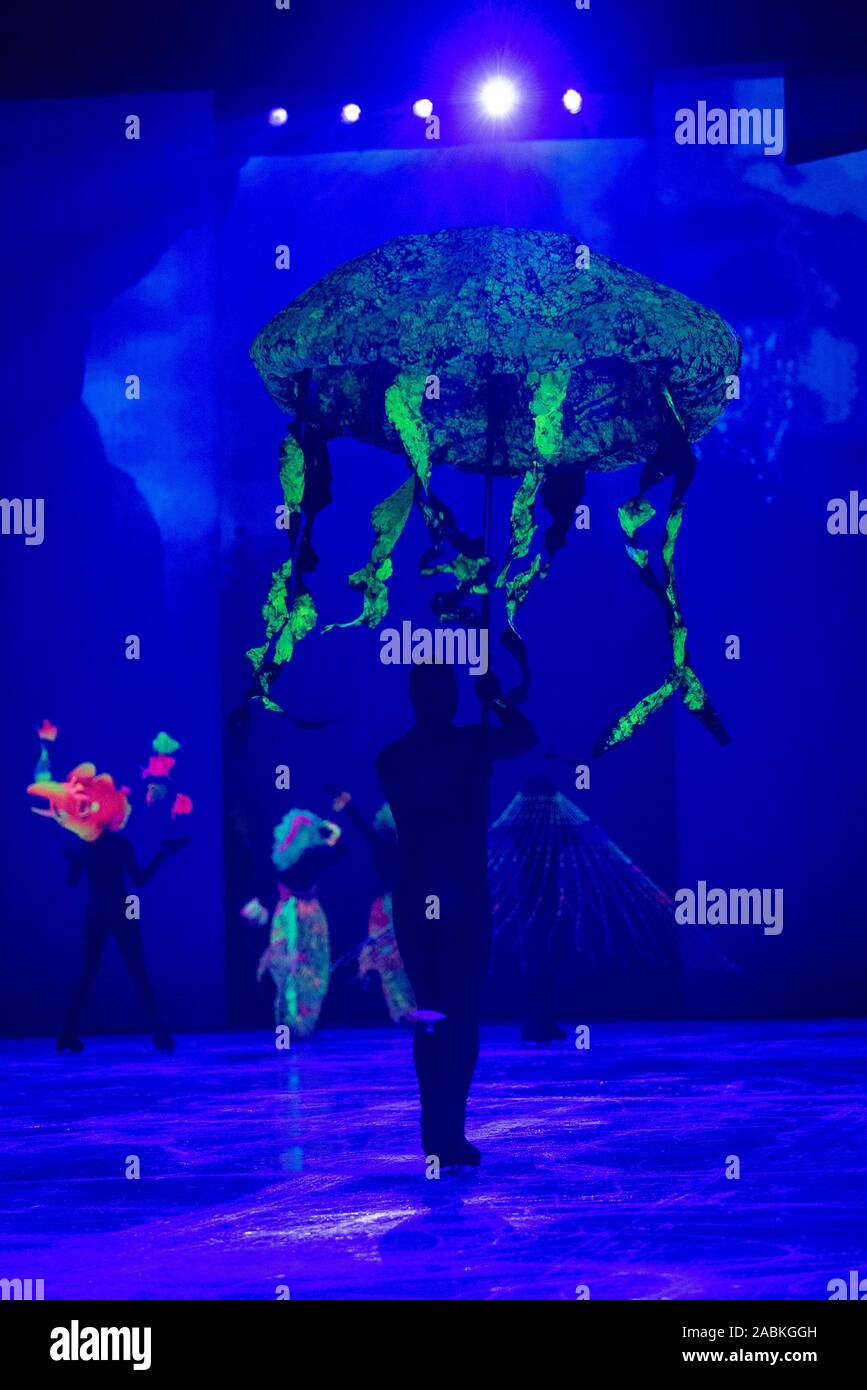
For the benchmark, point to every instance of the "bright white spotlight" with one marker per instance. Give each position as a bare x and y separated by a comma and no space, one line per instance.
423,108
498,96
278,115
350,113
573,101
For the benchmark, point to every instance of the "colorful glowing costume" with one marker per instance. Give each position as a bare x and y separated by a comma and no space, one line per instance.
298,959
298,955
380,953
158,771
496,351
88,804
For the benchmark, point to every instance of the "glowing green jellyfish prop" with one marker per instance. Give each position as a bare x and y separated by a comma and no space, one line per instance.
489,350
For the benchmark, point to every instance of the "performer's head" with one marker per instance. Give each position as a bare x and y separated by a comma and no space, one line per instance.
87,803
433,690
298,832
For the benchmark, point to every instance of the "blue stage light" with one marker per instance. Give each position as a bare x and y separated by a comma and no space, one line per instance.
278,115
573,101
423,108
350,113
498,96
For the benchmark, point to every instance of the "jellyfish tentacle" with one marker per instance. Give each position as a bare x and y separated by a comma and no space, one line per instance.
674,457
546,407
293,468
624,727
388,520
692,691
289,614
317,496
562,488
677,456
468,563
403,408
402,402
522,522
522,528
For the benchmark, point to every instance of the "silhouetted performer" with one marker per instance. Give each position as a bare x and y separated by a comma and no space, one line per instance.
436,780
107,864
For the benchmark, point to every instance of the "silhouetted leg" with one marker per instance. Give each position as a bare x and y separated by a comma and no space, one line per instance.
129,939
427,1052
446,962
417,945
95,936
467,950
445,1055
460,1055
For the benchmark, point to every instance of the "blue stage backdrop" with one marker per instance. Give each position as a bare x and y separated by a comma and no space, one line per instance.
110,258
159,260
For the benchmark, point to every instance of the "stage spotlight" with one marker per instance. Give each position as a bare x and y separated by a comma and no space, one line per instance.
573,101
278,115
498,97
350,113
423,108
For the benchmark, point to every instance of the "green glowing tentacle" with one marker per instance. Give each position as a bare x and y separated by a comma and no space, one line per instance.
519,586
468,564
624,727
300,620
672,407
521,531
633,515
470,571
292,470
546,407
388,520
692,691
284,624
403,408
675,617
523,519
